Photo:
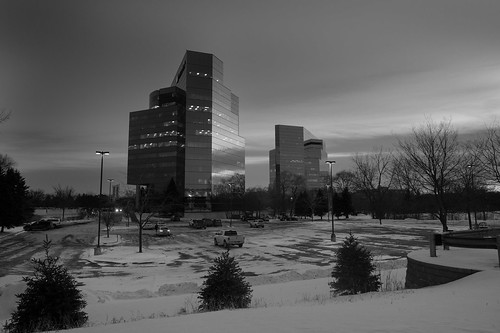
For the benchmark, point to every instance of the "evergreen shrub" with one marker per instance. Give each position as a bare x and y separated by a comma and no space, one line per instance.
51,300
224,286
354,270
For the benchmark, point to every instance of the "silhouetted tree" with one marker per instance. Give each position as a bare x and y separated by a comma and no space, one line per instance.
345,203
15,208
321,207
303,204
64,197
489,152
51,300
224,286
374,177
354,269
37,198
88,203
6,162
433,155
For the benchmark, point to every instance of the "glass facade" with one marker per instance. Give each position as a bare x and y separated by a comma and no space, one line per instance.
299,152
212,149
156,145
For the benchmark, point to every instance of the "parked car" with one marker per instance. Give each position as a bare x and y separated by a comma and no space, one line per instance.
228,238
207,221
216,223
482,225
288,218
197,224
256,223
164,233
43,224
175,218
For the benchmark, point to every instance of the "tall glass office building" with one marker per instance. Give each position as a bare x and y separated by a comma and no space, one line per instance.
298,152
208,146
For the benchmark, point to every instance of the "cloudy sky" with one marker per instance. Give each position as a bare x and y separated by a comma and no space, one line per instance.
357,74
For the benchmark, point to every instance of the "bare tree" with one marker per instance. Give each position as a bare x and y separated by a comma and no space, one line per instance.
344,179
4,115
110,219
432,154
489,148
64,197
148,203
235,183
471,177
231,191
6,162
374,177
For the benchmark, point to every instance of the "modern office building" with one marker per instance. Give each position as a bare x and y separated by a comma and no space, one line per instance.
189,133
298,152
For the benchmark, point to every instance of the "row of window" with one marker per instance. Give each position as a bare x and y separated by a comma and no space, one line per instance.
227,116
199,108
224,127
143,115
155,145
155,155
160,134
203,132
155,165
230,140
149,126
203,75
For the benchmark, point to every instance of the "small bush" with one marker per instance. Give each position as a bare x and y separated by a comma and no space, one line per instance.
51,300
354,270
225,286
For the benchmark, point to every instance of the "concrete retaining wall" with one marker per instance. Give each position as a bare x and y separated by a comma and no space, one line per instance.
421,274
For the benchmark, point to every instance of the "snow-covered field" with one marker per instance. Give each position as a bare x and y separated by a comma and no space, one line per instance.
295,301
469,305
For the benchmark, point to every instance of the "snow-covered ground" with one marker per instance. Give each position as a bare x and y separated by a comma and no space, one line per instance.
297,301
468,305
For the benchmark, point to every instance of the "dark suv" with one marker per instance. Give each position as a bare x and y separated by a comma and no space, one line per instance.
197,224
43,224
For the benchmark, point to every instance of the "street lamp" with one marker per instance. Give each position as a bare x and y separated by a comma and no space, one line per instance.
470,167
98,249
330,165
230,204
110,180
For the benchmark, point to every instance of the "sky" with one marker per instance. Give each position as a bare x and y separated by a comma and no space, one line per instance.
357,74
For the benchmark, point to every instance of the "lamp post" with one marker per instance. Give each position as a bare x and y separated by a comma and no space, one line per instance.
230,204
98,249
330,165
470,167
110,180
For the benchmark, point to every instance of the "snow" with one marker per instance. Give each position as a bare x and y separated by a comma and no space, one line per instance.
294,301
468,305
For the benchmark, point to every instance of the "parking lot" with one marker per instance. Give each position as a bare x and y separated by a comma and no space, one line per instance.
296,248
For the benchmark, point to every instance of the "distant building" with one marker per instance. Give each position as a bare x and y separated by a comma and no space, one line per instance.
189,134
298,152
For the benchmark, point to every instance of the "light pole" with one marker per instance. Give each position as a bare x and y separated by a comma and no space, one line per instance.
330,165
470,167
98,249
110,180
230,204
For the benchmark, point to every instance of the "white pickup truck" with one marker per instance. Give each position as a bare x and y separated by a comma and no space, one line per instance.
228,238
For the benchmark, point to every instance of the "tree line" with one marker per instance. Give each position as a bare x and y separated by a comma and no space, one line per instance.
431,171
